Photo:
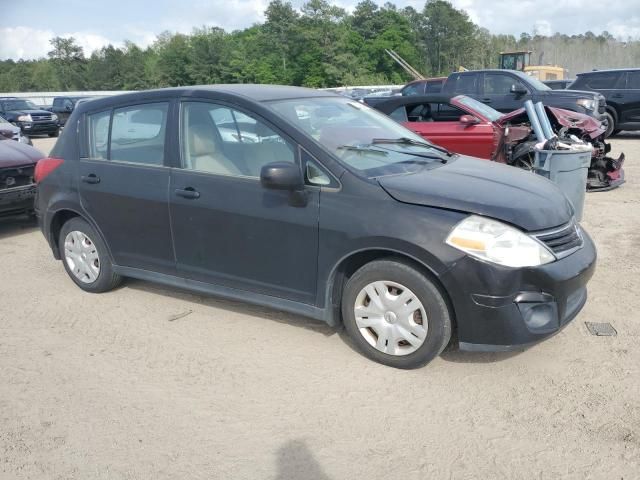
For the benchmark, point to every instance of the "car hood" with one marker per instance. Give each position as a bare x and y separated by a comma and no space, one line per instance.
572,93
484,188
15,154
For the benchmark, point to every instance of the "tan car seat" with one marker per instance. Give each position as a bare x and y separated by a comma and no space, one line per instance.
205,153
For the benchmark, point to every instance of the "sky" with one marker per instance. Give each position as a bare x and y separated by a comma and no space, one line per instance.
26,26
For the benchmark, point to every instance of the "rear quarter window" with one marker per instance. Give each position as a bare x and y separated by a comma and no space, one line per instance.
98,134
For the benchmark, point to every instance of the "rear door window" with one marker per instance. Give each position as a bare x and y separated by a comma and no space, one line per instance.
463,84
138,133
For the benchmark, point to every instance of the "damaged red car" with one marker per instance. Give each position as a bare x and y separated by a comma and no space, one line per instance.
467,126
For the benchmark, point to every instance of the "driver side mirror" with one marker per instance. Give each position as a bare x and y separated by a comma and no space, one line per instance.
518,90
468,120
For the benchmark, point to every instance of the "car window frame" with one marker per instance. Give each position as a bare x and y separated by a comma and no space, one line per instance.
84,133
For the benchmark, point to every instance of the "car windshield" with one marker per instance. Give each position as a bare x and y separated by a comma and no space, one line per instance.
476,106
537,84
359,136
19,105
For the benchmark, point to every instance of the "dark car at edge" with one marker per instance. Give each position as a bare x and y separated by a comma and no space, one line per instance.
31,119
315,204
621,88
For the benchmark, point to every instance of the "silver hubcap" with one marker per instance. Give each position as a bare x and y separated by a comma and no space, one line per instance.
81,256
391,318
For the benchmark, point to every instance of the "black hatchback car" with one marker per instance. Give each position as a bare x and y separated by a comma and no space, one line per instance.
315,204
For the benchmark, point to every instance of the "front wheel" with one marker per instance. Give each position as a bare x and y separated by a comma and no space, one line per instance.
610,123
85,257
395,315
55,134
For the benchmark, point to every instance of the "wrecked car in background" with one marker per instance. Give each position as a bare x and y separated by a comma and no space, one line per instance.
467,126
11,132
17,186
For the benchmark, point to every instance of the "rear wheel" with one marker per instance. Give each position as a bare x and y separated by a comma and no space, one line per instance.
85,257
395,315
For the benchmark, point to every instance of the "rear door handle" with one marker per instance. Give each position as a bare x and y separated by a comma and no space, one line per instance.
616,95
486,100
91,178
188,192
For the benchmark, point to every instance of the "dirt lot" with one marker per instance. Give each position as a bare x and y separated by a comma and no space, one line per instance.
113,387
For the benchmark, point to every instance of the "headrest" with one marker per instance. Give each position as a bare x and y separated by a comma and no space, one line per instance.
201,140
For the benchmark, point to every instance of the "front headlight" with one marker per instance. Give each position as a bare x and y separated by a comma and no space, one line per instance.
25,118
54,117
499,243
587,104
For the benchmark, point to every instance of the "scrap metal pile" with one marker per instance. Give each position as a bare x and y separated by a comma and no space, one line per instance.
558,129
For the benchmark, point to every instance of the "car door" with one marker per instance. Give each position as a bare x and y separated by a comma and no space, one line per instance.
63,110
443,127
628,99
496,92
228,230
124,184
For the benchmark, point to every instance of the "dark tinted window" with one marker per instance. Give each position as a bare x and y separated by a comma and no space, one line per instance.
413,89
138,132
597,81
463,83
633,80
499,84
434,86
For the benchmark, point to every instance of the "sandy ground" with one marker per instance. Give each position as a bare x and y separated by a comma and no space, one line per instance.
113,387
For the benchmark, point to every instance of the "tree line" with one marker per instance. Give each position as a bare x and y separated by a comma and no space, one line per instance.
320,45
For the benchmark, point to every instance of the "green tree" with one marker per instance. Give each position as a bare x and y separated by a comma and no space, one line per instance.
68,63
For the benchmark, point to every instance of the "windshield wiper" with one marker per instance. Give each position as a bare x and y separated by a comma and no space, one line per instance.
360,148
410,141
414,154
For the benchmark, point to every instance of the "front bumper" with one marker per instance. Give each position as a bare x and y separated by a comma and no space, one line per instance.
17,200
501,309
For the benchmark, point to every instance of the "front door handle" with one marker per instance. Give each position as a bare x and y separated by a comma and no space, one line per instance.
486,100
91,178
616,95
188,192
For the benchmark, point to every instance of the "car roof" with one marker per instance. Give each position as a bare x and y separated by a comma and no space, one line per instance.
253,92
390,105
593,72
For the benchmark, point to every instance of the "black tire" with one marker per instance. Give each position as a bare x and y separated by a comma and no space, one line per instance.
55,134
106,279
433,301
611,124
615,132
